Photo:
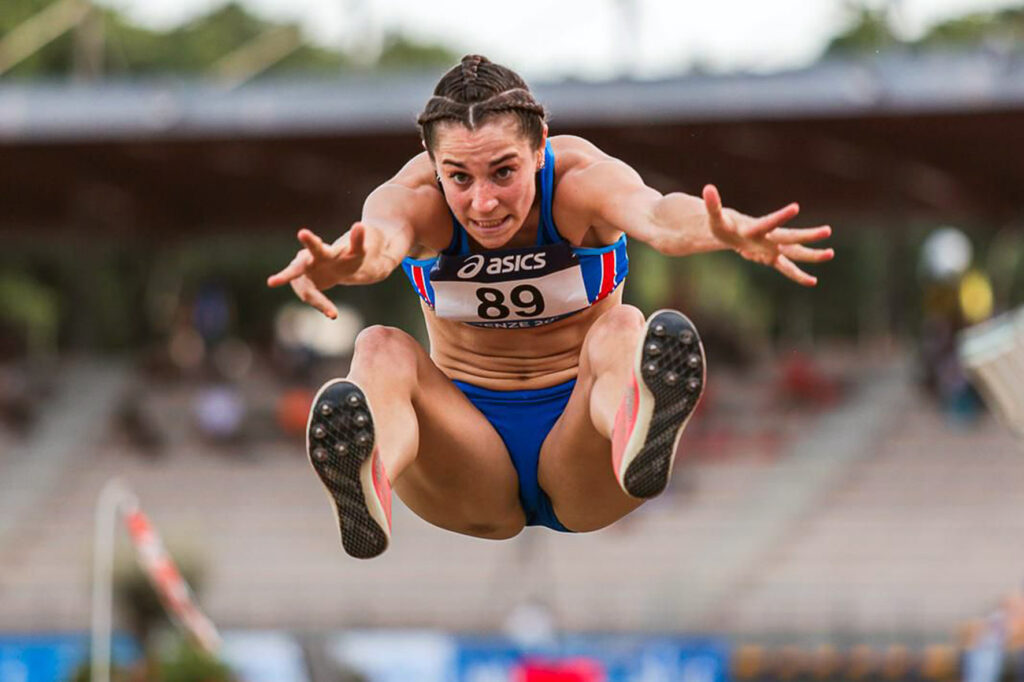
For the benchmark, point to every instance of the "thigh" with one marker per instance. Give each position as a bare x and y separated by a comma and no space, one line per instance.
461,477
575,467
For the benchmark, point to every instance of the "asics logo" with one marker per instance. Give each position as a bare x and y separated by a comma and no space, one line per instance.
498,265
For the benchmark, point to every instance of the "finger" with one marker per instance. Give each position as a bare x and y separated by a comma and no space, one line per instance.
315,245
798,252
766,224
294,269
792,271
357,240
310,295
786,235
713,202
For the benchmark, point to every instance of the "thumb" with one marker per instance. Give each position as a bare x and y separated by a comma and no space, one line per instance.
712,201
357,240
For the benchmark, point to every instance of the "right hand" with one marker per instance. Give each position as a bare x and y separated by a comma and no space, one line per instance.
320,266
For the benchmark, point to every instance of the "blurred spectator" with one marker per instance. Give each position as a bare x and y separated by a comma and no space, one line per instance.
862,664
825,664
134,420
939,664
805,384
293,410
748,663
955,296
898,665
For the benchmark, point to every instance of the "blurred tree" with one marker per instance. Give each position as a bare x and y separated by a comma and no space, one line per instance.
194,47
1002,28
401,52
871,30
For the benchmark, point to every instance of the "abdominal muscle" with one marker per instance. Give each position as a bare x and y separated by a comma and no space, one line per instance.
513,359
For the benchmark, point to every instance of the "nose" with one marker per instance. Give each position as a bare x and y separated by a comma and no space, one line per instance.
484,199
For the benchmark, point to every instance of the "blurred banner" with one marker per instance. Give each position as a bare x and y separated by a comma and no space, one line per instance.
396,656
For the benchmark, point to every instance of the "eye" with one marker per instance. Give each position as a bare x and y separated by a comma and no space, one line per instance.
504,173
459,178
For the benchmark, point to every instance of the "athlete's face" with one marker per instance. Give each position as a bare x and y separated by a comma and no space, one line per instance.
488,175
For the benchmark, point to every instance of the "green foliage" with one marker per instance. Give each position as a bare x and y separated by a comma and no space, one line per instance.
402,53
83,673
1005,27
189,664
870,30
194,47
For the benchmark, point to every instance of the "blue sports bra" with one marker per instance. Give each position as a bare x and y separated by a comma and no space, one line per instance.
524,287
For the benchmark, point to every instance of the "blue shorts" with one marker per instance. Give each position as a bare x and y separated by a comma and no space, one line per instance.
523,419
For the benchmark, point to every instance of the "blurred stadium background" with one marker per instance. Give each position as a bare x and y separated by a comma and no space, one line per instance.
848,509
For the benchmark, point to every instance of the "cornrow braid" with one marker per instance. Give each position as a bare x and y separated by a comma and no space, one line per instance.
477,90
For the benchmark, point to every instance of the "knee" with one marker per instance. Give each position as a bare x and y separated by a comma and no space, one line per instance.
620,325
621,317
386,349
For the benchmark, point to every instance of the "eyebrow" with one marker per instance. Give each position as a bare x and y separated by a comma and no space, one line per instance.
503,159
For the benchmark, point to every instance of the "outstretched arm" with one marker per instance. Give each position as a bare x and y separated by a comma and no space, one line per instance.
678,224
366,254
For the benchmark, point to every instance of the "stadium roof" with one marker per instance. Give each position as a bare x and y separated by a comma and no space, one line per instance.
893,139
894,84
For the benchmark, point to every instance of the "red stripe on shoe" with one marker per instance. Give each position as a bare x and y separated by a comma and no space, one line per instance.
381,485
625,422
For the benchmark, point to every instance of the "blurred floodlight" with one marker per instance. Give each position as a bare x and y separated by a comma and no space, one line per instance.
300,327
946,254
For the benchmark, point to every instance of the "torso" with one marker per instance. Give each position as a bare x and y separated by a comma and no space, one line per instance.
512,359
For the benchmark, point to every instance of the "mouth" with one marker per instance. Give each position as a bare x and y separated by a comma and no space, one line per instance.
491,225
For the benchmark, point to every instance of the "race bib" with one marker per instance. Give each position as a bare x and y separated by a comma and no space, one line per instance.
515,288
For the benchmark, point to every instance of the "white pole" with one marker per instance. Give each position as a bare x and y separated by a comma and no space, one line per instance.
114,497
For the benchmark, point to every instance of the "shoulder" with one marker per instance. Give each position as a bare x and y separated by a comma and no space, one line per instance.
417,175
585,175
412,196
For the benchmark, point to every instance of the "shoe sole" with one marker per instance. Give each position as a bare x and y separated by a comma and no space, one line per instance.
340,446
670,371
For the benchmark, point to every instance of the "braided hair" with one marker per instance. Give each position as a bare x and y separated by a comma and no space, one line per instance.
476,90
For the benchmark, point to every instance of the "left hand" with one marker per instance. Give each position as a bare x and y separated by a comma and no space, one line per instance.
764,240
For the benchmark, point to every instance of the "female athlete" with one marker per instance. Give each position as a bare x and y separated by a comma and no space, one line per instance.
543,400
